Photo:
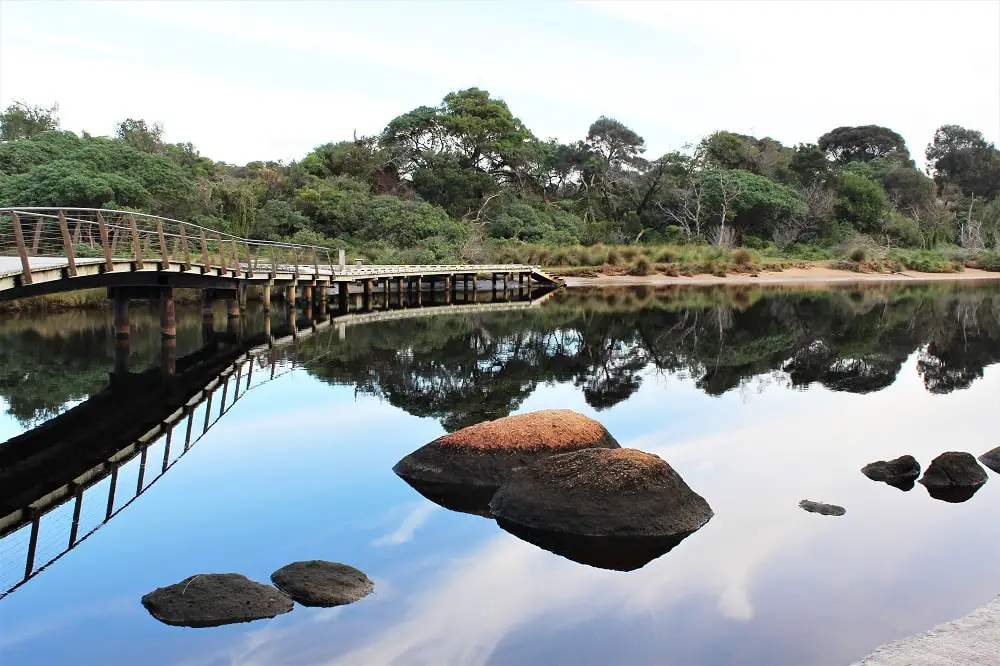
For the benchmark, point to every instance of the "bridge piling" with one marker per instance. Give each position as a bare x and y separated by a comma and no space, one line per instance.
367,295
267,297
343,305
207,318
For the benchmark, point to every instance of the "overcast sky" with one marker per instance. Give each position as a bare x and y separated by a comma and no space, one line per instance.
245,81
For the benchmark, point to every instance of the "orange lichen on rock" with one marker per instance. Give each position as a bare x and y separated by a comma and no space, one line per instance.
546,429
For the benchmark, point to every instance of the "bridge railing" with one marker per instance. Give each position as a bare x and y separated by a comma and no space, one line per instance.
103,236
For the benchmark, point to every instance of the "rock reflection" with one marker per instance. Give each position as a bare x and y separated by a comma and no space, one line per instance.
616,553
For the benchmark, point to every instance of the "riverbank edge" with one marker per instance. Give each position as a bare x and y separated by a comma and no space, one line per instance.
970,639
814,275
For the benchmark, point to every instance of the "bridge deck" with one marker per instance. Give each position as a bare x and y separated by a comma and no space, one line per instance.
39,250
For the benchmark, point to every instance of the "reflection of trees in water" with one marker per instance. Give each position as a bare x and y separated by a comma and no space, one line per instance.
462,370
48,360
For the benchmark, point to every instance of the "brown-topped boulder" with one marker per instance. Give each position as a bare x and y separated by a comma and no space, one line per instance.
901,472
613,508
462,470
211,600
954,476
991,459
320,583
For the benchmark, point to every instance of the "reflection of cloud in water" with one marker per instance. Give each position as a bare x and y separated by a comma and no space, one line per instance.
413,521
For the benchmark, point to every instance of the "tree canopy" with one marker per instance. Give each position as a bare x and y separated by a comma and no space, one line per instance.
466,177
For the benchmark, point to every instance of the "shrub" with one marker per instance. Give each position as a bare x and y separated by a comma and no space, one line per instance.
630,253
643,266
988,261
671,270
666,255
742,257
560,258
858,255
614,257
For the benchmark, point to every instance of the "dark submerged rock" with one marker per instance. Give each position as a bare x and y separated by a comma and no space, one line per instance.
320,583
900,473
212,600
462,470
824,509
954,469
611,508
991,459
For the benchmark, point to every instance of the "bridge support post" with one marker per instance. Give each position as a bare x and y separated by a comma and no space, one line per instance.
168,322
267,297
399,292
447,291
367,295
343,306
320,295
121,317
420,290
386,289
207,318
307,296
242,293
290,296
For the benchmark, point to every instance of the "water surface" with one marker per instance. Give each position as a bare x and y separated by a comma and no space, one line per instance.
758,398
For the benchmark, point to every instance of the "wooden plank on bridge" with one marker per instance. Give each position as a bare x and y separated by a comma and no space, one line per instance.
136,246
109,263
19,237
68,244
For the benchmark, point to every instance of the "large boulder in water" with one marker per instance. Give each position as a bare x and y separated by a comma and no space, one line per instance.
211,600
611,508
320,583
991,459
954,476
901,472
462,470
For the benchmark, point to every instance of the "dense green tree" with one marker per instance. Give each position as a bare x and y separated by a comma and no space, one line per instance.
860,144
139,135
860,202
21,121
964,158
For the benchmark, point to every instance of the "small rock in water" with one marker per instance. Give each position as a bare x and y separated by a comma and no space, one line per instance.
212,600
991,459
319,583
824,509
900,473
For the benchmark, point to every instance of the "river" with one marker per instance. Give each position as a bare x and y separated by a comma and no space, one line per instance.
758,398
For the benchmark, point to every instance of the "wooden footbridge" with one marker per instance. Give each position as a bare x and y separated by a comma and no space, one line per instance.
65,479
139,256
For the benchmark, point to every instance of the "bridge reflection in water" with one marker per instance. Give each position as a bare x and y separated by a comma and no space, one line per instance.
63,480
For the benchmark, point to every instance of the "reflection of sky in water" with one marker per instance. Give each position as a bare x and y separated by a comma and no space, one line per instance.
302,470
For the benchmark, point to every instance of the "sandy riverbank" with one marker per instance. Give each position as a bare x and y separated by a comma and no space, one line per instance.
812,275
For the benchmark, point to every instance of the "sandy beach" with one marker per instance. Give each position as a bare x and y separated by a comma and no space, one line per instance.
812,275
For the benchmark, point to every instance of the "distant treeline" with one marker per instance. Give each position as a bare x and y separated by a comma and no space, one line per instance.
467,179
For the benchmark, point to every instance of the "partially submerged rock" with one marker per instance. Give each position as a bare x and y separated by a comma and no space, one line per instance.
462,470
991,459
901,472
320,583
954,476
824,509
614,508
212,600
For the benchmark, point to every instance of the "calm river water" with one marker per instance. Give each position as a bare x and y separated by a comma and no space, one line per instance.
758,398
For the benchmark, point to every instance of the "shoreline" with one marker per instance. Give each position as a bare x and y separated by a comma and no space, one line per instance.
971,639
815,275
